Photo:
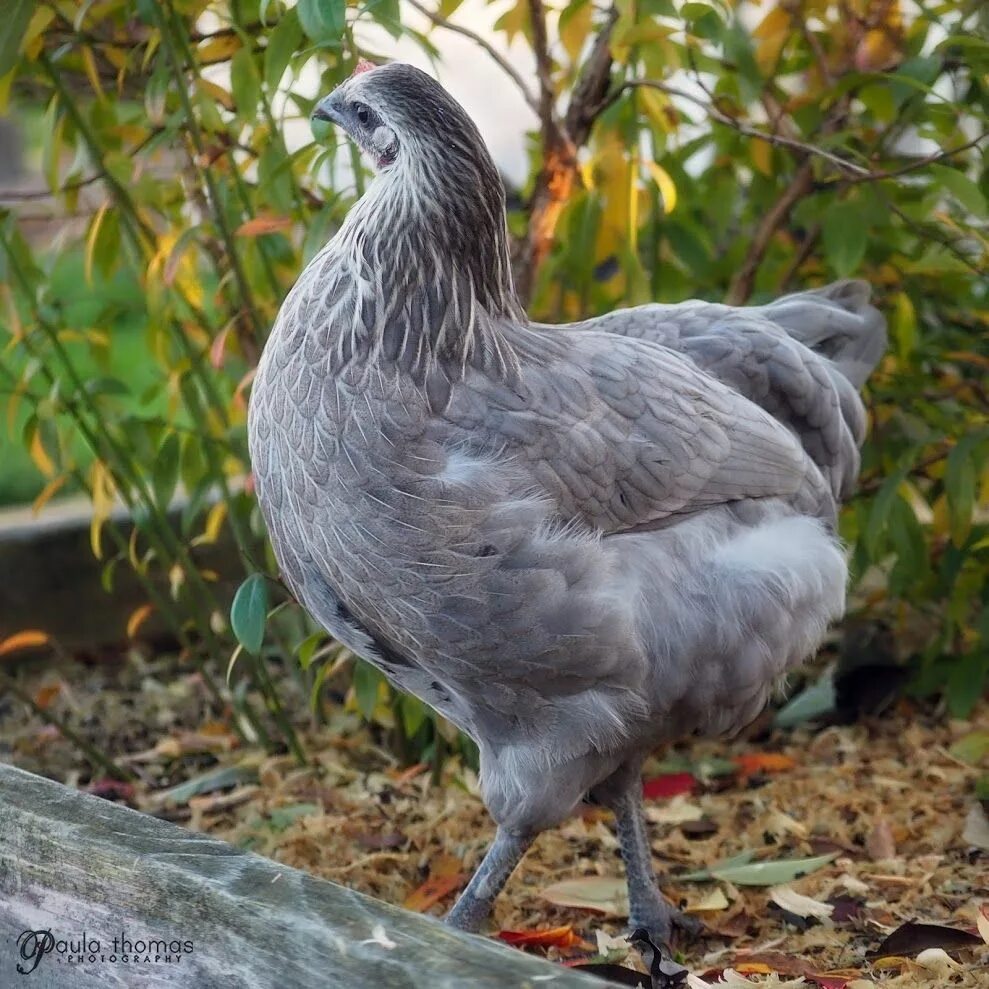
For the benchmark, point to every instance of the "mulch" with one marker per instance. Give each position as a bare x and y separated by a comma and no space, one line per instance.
887,809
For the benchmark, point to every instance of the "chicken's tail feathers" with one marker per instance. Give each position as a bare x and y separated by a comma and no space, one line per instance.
837,321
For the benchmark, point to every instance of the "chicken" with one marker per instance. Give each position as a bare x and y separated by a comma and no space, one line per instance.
574,542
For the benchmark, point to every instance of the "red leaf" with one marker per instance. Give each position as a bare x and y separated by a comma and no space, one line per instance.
110,789
554,937
217,350
763,762
668,785
263,225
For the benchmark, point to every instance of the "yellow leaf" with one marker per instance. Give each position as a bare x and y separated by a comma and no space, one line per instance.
218,93
219,49
102,486
40,456
138,617
89,64
771,34
575,28
47,491
91,240
214,521
762,156
28,639
667,187
878,50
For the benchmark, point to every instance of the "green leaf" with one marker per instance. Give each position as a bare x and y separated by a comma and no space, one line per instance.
966,683
771,873
844,233
413,714
249,612
245,84
971,748
323,20
962,188
701,875
16,18
815,700
366,682
165,473
281,817
306,649
283,43
959,486
209,782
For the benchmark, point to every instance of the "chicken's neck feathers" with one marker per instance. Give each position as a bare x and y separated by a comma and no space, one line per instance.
409,285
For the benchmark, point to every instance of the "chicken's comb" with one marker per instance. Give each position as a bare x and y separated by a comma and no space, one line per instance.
363,65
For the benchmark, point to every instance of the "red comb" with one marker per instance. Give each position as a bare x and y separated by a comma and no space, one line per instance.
363,65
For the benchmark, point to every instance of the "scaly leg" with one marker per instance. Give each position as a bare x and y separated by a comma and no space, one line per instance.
475,902
647,907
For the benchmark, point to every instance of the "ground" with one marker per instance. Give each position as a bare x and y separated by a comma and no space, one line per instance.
890,799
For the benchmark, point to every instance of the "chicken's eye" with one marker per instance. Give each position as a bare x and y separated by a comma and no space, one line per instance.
362,112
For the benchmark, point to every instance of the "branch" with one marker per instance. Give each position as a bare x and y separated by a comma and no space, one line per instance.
741,284
725,120
590,93
544,68
858,172
482,43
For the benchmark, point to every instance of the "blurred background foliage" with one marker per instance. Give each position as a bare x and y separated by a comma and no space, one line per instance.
728,151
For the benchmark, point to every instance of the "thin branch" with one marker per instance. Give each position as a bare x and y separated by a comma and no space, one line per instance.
544,67
484,44
741,284
745,129
916,165
859,172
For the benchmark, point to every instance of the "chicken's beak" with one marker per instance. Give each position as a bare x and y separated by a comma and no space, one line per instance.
327,109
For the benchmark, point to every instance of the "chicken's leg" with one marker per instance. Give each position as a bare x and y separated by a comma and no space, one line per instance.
647,907
474,904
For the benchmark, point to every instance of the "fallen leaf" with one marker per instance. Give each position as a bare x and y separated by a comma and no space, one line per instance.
30,638
110,789
976,832
715,900
753,968
880,844
554,937
763,762
938,960
771,873
677,811
604,894
910,939
701,875
668,785
702,828
982,919
796,903
216,779
43,696
845,908
891,963
971,748
444,878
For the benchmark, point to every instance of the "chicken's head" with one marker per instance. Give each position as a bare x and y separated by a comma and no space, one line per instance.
402,118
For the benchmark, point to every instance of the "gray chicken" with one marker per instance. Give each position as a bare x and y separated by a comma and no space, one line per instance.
574,542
